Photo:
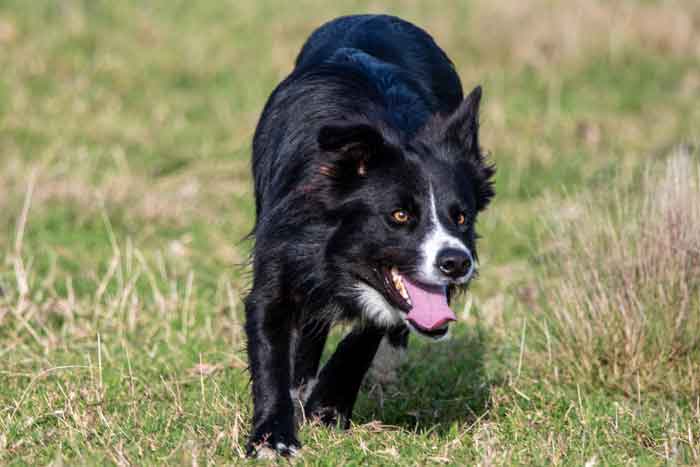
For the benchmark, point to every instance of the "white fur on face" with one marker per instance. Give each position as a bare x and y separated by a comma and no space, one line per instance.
375,306
378,310
437,239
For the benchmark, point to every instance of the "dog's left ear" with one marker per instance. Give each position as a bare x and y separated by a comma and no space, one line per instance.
461,131
352,144
462,127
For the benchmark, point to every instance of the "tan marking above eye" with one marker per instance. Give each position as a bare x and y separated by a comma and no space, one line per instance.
461,218
400,216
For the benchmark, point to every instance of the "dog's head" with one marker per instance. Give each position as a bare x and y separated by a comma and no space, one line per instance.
405,212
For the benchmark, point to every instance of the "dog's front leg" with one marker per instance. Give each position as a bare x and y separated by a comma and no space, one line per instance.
270,329
334,394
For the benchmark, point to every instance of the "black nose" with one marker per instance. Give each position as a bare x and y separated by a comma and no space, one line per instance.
454,263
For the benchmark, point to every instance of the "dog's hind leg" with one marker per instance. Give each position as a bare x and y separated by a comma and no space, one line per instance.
335,392
390,355
307,358
270,327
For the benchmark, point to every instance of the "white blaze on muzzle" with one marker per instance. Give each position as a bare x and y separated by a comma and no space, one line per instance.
437,240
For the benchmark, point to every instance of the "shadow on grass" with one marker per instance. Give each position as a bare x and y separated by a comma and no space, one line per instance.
440,385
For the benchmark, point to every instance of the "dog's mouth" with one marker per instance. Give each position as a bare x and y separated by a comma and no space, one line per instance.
425,305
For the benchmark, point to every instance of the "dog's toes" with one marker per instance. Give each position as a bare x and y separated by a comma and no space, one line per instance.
331,417
273,445
287,450
280,449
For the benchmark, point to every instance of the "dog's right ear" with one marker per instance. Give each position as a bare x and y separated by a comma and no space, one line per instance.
352,144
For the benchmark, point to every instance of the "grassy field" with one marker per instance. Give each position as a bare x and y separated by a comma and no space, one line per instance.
125,132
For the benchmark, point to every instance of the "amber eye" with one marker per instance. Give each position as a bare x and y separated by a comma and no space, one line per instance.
461,219
400,216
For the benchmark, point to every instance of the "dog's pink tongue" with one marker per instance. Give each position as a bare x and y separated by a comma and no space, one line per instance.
430,310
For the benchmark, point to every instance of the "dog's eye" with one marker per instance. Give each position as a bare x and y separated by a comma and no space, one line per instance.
461,219
400,216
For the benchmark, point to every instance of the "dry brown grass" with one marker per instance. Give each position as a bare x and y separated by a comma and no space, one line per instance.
545,33
623,284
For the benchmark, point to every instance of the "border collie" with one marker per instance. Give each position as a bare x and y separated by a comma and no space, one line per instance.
368,181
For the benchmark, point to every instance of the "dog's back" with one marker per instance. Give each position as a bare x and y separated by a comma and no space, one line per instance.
391,40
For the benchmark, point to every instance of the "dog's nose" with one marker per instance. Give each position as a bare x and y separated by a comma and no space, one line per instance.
454,263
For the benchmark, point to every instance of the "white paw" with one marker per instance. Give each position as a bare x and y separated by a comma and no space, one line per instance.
281,449
287,450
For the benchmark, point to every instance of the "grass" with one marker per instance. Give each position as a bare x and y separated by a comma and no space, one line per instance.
623,285
125,132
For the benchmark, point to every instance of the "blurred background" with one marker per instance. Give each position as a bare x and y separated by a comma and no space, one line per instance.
125,194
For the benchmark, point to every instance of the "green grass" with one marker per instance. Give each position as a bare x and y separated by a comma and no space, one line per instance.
125,132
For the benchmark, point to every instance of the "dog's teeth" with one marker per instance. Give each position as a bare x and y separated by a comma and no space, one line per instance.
398,283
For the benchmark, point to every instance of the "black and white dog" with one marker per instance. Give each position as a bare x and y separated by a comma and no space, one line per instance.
368,180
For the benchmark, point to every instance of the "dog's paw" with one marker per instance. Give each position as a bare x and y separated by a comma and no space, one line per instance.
269,443
331,417
266,452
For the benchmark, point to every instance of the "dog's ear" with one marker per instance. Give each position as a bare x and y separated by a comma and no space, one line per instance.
462,127
351,143
461,131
